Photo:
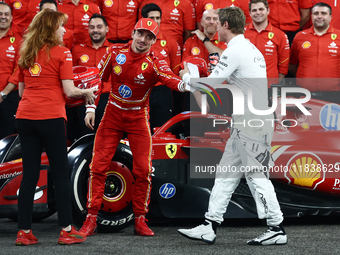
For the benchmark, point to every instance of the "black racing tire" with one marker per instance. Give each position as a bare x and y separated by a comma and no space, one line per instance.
116,211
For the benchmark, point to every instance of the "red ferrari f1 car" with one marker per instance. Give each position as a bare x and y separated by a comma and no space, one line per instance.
306,176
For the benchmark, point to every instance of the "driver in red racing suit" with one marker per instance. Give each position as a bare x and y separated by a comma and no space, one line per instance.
134,71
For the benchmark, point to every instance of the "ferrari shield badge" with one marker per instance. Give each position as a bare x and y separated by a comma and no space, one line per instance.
171,150
334,36
86,7
270,35
163,43
12,39
176,3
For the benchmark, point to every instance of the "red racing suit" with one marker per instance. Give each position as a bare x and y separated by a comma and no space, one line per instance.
133,76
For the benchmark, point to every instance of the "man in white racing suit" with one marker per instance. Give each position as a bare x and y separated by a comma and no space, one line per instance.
248,148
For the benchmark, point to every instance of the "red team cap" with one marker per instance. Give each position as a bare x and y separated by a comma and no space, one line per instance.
199,62
147,24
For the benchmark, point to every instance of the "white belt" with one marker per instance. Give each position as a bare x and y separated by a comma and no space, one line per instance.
127,109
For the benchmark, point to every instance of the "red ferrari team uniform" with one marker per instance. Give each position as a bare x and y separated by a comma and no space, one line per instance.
133,76
87,55
195,47
285,15
177,16
317,57
78,17
274,45
202,5
19,13
121,17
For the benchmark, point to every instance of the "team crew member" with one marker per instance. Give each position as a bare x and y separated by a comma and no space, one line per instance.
271,41
335,22
169,49
45,75
315,54
19,13
121,16
90,54
78,14
203,5
247,146
289,16
195,46
134,70
9,49
178,18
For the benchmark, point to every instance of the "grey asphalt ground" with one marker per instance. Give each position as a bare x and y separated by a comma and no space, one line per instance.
311,235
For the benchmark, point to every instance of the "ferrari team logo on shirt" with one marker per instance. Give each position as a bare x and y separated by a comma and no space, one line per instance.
84,58
176,3
163,43
144,66
86,7
35,70
108,3
306,45
195,51
171,150
117,69
149,23
270,35
17,5
12,39
334,36
209,6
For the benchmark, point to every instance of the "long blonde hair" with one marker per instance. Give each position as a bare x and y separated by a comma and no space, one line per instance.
40,33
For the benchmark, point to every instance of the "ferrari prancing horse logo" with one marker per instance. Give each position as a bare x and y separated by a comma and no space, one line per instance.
171,150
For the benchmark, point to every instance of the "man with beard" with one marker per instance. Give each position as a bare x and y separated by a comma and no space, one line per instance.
90,54
315,54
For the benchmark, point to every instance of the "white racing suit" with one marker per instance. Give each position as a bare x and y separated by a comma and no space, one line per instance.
249,155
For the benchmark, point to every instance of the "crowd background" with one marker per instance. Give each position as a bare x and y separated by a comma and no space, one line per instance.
93,25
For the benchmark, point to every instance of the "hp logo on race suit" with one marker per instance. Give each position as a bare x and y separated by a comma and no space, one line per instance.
121,59
167,190
330,117
124,91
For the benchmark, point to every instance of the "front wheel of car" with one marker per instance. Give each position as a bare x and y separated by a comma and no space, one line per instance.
116,209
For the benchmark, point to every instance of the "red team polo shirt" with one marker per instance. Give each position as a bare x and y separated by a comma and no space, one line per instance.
86,55
202,5
170,50
78,17
177,16
121,17
317,57
274,45
9,55
195,47
19,12
43,85
285,14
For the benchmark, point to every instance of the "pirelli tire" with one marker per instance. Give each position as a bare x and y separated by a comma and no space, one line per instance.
116,210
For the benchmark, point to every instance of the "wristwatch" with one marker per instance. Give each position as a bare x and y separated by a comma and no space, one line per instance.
206,39
3,95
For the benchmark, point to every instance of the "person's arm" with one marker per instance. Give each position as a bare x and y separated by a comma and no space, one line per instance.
281,76
71,91
10,86
209,46
187,34
305,16
293,69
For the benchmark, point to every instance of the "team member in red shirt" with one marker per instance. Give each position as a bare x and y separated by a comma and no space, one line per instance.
78,14
9,49
335,22
289,16
315,54
45,75
169,49
178,18
271,41
19,13
121,16
90,54
203,5
134,70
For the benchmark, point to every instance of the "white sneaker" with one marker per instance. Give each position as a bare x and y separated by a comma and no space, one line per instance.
274,235
202,232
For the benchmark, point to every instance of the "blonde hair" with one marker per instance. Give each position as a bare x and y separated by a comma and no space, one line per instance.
40,33
235,18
